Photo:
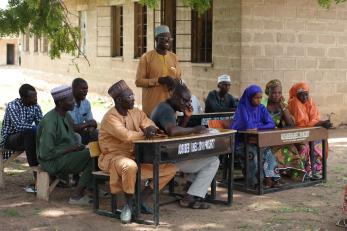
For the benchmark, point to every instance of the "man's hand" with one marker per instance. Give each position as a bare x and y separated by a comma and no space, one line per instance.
92,123
188,111
168,81
200,129
150,131
75,148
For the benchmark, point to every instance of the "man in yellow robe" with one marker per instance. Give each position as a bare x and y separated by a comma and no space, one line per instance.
157,71
120,126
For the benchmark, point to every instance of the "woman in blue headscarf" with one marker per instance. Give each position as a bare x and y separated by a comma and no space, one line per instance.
252,115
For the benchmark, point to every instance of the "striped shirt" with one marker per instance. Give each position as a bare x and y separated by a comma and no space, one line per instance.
19,117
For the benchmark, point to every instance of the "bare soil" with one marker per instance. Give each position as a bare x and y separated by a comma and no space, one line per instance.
310,208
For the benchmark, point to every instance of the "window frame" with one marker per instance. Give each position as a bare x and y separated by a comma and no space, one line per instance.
140,30
82,23
202,36
117,44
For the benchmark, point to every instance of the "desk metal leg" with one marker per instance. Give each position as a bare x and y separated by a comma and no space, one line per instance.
138,182
260,152
312,157
95,193
213,188
230,174
324,160
156,189
246,174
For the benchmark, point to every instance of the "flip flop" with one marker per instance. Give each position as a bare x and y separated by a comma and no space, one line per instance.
341,223
145,209
194,205
85,200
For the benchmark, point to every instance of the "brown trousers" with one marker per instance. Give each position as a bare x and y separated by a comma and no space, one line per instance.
123,174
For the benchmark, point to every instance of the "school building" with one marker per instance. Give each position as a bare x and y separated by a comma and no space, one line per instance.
252,40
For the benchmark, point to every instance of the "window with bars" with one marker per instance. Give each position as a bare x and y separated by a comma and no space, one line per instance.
36,44
117,31
140,30
168,18
201,50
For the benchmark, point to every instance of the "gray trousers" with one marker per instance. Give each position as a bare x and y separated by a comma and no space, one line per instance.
204,169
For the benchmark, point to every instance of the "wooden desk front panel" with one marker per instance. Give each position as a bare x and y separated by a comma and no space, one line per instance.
186,149
289,136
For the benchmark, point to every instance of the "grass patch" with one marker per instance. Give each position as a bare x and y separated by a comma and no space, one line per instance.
244,227
271,222
37,211
10,213
100,104
295,210
337,169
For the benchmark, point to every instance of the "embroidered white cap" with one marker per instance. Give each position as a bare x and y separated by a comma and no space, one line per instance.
224,78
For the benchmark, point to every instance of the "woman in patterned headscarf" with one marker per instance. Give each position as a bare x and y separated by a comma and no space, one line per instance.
286,155
306,114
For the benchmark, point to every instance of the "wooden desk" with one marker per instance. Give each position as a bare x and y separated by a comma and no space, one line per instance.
174,149
203,118
276,137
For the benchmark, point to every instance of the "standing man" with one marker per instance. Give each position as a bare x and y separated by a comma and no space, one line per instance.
18,130
221,100
84,124
157,70
121,125
57,149
164,116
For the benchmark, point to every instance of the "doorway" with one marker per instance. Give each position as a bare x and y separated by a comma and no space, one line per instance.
10,54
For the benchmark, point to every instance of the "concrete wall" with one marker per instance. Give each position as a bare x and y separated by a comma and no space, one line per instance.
297,40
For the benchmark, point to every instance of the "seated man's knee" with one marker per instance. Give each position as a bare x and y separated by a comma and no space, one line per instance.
29,133
129,166
215,161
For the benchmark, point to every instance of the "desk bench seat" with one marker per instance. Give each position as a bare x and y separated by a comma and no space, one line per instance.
44,184
101,173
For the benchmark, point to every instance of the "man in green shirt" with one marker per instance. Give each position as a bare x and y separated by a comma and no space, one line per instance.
58,151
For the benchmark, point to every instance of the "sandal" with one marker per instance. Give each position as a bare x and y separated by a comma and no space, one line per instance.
145,209
194,204
277,184
341,223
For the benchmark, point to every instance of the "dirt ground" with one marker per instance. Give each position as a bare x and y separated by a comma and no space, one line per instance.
311,208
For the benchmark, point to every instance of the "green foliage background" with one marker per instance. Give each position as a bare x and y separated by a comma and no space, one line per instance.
48,18
327,3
